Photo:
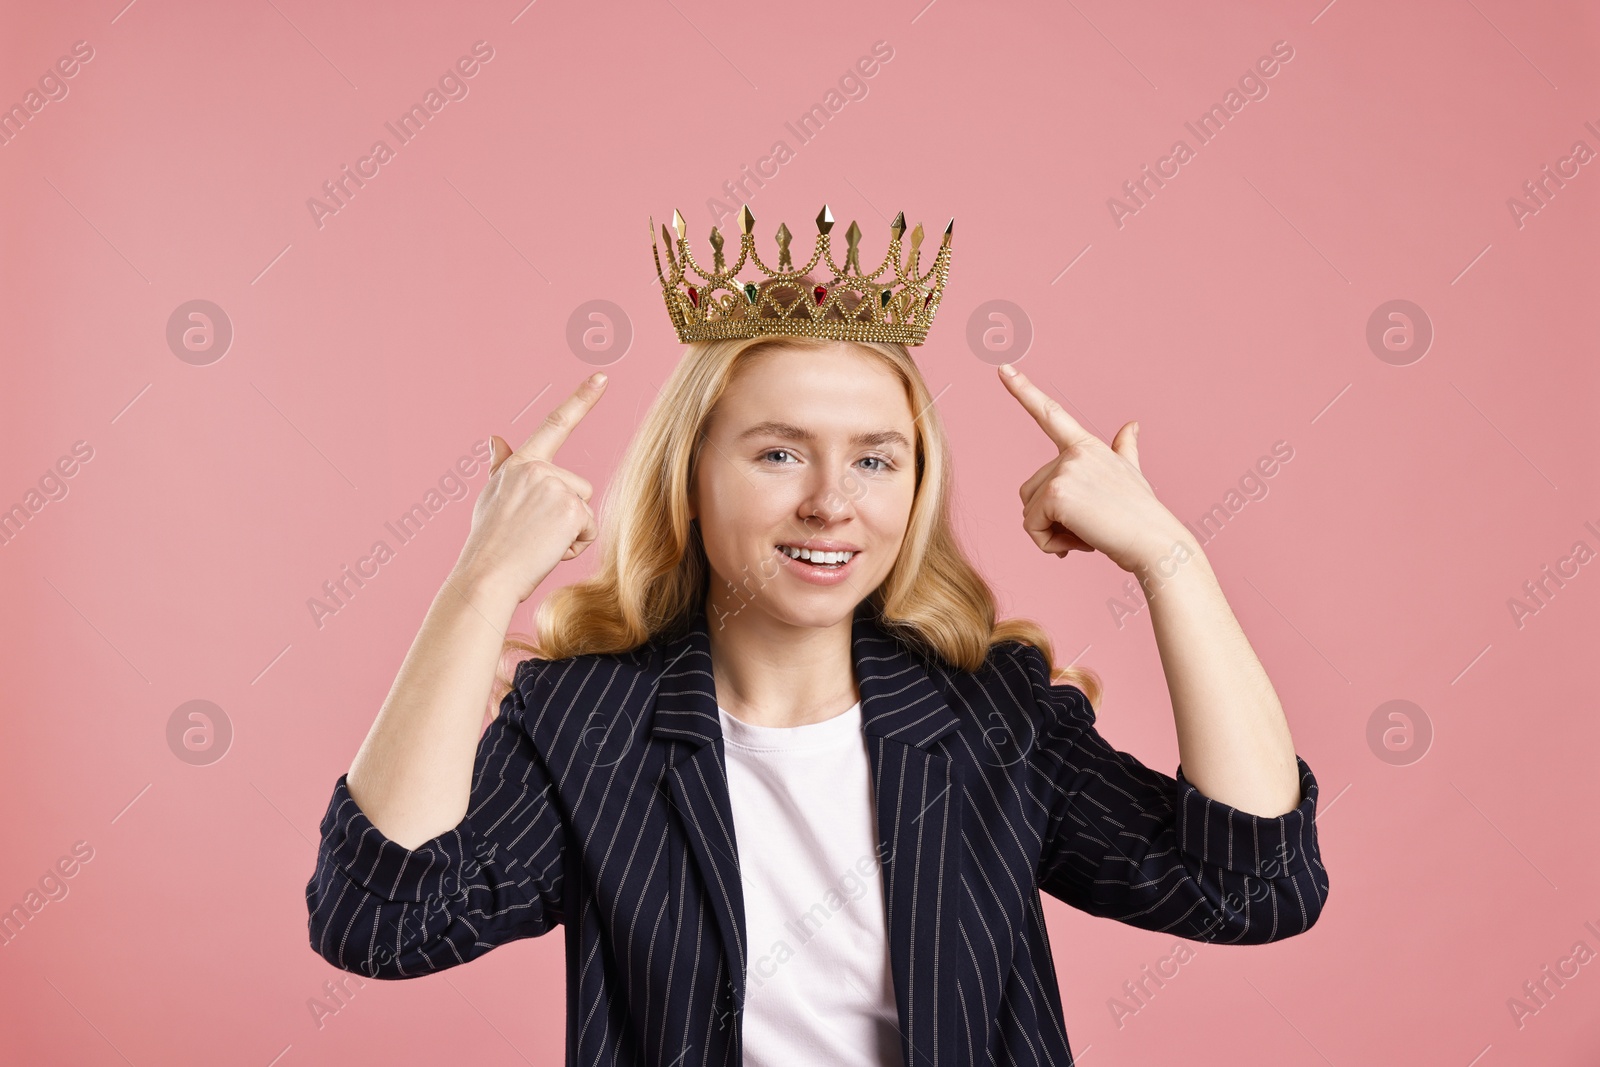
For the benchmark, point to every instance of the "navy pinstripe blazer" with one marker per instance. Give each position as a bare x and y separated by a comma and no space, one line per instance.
600,802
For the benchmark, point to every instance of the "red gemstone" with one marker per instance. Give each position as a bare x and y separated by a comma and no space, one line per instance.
821,292
694,297
926,299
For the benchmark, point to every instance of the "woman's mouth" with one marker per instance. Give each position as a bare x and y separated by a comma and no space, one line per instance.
817,567
817,558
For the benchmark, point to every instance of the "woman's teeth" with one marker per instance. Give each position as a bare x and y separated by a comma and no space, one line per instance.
823,558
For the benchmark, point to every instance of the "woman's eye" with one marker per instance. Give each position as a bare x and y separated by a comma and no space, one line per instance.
767,455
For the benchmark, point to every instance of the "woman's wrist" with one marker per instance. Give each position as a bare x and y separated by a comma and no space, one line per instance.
1167,558
489,594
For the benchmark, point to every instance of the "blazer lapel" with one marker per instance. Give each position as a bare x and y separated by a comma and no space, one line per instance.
918,806
686,714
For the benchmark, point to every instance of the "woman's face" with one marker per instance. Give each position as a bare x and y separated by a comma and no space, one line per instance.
806,448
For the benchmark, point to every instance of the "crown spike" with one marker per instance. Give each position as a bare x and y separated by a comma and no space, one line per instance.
784,237
898,226
948,230
716,247
853,236
655,250
679,225
916,246
666,239
747,221
824,220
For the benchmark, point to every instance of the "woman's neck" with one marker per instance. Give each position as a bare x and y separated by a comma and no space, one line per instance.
771,674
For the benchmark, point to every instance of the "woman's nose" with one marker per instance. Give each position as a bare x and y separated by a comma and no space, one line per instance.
827,499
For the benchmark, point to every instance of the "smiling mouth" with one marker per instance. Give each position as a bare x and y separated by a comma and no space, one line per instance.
826,560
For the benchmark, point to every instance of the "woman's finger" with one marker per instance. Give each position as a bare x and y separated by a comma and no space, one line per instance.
1056,537
553,432
1062,429
1063,540
1040,476
1049,534
1037,525
586,536
576,482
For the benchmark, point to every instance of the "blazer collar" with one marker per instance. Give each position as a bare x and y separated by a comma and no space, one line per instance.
898,699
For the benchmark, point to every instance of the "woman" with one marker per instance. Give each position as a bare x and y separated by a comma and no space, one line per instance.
790,787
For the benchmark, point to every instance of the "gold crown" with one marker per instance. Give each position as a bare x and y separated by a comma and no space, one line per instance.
851,306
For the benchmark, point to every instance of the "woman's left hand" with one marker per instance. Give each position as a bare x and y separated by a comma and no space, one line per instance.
1092,497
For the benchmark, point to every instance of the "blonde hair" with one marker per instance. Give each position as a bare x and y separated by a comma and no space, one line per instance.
653,572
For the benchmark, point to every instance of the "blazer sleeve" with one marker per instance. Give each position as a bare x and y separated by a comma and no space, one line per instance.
388,912
1130,843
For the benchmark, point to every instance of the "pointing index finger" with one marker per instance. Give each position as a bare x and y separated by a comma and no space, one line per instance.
1062,429
553,432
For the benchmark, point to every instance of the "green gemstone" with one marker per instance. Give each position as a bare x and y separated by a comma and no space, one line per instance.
883,297
751,292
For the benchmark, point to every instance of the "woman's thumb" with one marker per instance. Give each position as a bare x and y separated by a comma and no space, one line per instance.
501,451
1126,443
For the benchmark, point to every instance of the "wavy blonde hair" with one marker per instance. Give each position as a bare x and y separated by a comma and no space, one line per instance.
653,572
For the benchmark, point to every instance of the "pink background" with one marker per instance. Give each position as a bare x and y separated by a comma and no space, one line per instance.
1227,314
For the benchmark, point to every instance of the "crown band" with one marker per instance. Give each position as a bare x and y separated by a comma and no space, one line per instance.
850,306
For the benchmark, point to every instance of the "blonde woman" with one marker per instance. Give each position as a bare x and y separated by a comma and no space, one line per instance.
788,785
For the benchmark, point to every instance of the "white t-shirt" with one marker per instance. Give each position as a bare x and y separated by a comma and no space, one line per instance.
818,987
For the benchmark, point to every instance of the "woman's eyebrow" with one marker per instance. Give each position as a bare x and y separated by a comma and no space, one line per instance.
790,432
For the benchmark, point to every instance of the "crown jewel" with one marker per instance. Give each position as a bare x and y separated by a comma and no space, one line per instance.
894,303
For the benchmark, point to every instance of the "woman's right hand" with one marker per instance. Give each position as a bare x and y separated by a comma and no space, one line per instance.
531,513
